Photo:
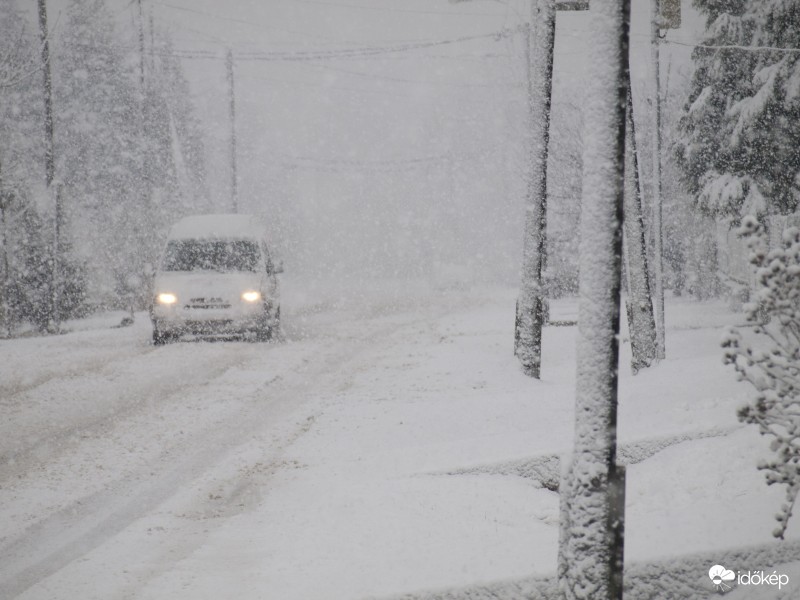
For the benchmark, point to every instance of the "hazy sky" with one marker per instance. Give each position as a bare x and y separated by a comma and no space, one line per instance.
359,157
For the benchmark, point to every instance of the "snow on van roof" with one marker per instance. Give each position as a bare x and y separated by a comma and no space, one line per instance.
220,226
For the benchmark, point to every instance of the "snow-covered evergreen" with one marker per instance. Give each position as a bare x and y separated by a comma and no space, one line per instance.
129,161
740,146
26,215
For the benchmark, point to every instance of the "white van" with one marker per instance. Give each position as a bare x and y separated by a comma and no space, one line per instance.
216,276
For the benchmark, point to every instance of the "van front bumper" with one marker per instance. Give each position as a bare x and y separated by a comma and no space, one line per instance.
175,321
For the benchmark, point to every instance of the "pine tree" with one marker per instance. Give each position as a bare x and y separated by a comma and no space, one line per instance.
26,227
740,146
132,159
124,179
96,141
21,152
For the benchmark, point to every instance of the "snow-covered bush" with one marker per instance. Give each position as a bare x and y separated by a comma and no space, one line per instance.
771,361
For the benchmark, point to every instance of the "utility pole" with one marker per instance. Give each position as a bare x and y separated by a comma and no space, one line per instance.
658,267
231,92
641,321
50,163
5,202
143,228
530,306
591,546
665,14
531,310
141,47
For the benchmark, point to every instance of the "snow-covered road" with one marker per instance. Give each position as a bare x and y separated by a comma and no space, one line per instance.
390,444
100,428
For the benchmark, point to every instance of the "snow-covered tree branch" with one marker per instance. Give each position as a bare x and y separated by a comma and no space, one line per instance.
740,146
771,362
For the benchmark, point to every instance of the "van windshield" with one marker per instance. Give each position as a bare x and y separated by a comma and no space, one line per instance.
211,255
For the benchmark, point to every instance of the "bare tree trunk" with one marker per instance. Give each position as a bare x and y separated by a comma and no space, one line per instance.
641,321
530,305
593,544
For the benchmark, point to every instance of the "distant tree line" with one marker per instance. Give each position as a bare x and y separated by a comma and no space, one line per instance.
128,153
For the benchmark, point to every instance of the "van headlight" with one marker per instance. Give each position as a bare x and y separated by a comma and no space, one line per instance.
167,298
251,296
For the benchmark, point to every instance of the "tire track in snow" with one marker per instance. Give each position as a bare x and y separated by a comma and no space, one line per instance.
87,522
99,349
47,435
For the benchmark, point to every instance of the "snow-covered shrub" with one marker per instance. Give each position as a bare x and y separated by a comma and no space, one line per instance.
771,362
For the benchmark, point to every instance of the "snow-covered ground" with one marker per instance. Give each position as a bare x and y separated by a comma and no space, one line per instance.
389,446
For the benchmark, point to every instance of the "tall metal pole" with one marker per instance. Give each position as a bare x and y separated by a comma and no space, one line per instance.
658,267
231,91
49,161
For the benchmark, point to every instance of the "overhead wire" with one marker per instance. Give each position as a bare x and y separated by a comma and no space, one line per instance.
240,21
293,56
392,9
330,87
733,47
357,53
373,76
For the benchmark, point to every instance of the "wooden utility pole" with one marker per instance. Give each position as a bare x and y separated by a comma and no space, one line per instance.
141,47
641,321
5,201
50,164
658,252
530,306
232,99
531,309
665,14
592,542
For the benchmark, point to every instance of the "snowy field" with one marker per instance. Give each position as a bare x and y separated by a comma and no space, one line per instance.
388,447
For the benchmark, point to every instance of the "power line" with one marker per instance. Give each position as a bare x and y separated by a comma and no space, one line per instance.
732,47
240,21
309,55
369,163
387,9
416,81
337,165
370,51
330,87
394,10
